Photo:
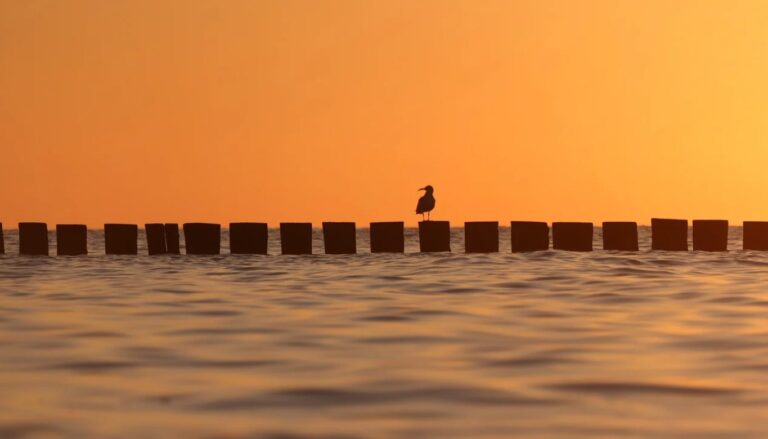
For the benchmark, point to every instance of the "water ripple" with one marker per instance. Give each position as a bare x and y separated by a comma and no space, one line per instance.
546,344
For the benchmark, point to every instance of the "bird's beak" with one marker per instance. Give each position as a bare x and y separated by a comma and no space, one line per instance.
421,189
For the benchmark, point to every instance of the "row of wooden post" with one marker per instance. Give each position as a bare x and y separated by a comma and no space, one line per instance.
388,237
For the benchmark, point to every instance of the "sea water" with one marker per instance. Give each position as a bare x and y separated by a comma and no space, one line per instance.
545,344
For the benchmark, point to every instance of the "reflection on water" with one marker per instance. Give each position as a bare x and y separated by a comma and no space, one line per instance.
441,345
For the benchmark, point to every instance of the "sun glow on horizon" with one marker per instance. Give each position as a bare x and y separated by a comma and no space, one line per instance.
142,111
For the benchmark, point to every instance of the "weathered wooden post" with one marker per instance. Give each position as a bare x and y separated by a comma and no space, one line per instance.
202,238
340,238
2,240
710,235
172,239
481,237
387,237
33,239
669,234
296,238
620,235
155,239
248,238
121,239
572,236
71,239
755,235
434,236
529,236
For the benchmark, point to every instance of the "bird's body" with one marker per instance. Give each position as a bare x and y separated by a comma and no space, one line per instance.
426,202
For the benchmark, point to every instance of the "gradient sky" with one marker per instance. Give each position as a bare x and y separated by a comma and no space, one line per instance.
158,110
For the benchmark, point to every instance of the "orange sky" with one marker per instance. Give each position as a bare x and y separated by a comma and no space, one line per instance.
142,111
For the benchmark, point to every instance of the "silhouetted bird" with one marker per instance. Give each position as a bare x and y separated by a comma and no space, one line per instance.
426,202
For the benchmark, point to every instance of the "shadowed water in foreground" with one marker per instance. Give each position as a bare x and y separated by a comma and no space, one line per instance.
385,346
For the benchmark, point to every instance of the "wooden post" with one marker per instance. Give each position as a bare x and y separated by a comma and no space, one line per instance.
481,237
620,235
2,240
33,239
172,239
296,238
529,236
387,237
71,239
669,234
572,236
248,238
339,238
202,238
434,236
155,239
755,235
710,235
121,239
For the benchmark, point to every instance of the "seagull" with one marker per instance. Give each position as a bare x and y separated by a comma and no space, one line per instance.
426,202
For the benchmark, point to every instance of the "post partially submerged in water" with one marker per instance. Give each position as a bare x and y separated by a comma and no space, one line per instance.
202,238
155,234
121,239
434,236
33,239
481,237
572,236
71,239
710,235
339,238
755,235
620,235
172,238
387,237
529,236
296,238
669,234
248,238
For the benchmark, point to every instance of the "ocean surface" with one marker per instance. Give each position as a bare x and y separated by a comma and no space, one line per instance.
546,344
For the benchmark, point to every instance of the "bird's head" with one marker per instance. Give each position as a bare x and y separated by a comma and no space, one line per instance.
427,188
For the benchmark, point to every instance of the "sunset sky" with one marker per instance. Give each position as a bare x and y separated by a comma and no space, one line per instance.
142,111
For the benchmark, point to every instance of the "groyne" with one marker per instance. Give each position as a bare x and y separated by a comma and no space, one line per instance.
388,237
